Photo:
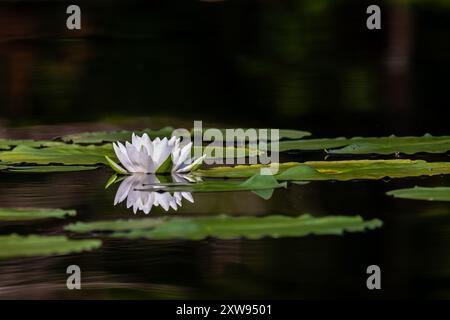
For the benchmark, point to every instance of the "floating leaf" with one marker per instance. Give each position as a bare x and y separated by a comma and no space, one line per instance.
88,155
226,227
313,144
124,135
422,193
395,145
47,169
282,133
367,145
293,134
367,169
115,225
338,170
16,214
112,136
14,246
240,171
8,143
65,154
256,182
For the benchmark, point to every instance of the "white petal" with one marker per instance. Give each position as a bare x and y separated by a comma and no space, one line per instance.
121,154
188,167
188,196
123,190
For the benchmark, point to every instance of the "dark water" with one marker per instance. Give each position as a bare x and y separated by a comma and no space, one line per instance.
309,65
411,247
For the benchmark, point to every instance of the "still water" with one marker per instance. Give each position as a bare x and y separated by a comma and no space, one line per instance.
411,246
307,65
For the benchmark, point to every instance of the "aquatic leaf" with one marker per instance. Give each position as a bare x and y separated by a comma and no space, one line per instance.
8,143
85,155
395,145
366,169
256,182
115,225
16,214
125,135
338,170
65,154
293,134
367,145
227,227
282,133
240,171
47,169
15,246
112,136
422,193
313,144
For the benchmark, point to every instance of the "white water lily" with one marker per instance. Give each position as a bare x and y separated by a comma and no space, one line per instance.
144,200
143,155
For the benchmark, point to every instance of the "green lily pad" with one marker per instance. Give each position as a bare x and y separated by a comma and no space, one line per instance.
112,136
8,143
368,145
65,154
422,193
396,145
46,169
282,133
125,135
16,214
226,227
15,246
240,171
338,170
87,155
256,182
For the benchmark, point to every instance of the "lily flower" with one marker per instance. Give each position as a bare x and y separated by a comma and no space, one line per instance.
181,158
143,155
144,200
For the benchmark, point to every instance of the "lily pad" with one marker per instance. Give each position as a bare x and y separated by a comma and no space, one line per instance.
124,135
395,145
368,145
338,170
8,143
15,246
227,227
282,133
112,136
46,169
422,193
16,214
88,155
65,154
240,171
256,182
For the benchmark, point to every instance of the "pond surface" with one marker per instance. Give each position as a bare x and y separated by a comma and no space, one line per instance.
410,247
307,65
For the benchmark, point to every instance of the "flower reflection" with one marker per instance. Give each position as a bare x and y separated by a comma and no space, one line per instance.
143,200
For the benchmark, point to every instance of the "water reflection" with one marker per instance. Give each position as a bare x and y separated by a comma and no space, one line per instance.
144,200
